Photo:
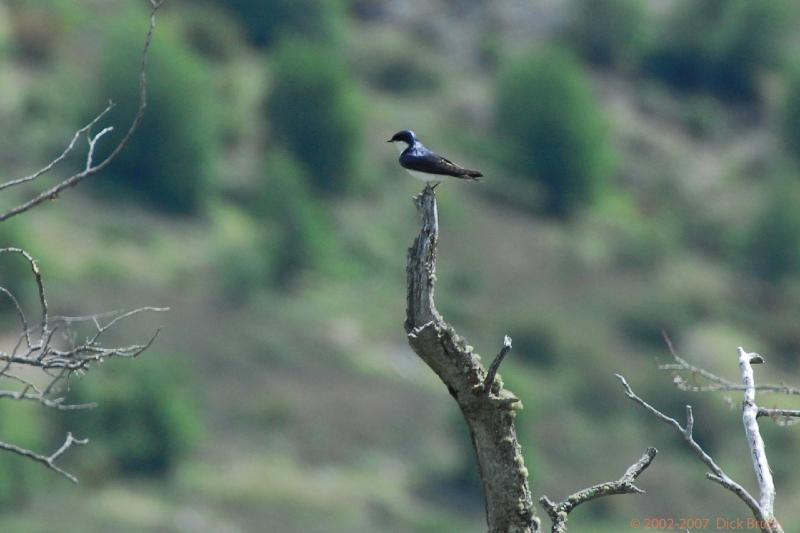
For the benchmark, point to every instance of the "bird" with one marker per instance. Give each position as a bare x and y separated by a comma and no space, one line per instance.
426,165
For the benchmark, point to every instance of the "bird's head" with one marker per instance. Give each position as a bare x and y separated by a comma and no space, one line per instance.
405,136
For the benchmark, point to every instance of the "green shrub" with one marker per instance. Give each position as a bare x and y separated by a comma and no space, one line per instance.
553,130
721,47
146,418
169,161
313,111
21,424
611,32
268,20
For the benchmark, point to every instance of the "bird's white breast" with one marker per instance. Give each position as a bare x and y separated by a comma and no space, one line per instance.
425,177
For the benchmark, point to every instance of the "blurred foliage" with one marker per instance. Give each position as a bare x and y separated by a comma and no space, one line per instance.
722,46
611,32
283,233
169,162
773,244
555,132
303,237
21,423
15,271
398,65
790,114
242,256
212,33
6,37
146,420
38,30
314,110
267,21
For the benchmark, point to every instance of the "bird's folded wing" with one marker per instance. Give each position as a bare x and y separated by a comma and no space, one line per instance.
435,164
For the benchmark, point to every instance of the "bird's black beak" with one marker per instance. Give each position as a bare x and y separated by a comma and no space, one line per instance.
389,141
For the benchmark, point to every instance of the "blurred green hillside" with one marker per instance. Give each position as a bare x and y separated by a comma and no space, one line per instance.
641,163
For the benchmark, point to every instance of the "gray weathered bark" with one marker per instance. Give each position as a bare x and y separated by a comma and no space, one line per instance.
488,410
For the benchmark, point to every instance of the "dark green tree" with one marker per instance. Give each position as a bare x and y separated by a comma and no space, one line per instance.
313,111
170,160
268,20
553,130
722,46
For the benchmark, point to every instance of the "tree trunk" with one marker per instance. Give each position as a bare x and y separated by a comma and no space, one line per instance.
488,408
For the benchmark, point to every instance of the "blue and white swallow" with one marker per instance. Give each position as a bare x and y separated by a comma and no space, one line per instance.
426,165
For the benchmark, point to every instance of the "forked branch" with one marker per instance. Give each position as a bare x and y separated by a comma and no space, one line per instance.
37,346
766,523
559,512
91,168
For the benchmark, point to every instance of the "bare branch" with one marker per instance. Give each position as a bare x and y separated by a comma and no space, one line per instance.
716,474
92,143
90,169
58,364
714,382
487,383
780,416
52,164
37,276
48,460
758,452
37,346
559,512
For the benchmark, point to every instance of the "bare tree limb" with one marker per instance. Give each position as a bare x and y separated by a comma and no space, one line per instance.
91,168
717,474
37,346
490,416
48,460
559,512
758,452
713,382
777,414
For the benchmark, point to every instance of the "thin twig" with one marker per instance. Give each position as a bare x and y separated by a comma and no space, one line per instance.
487,383
778,413
53,192
48,460
37,346
715,382
52,164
